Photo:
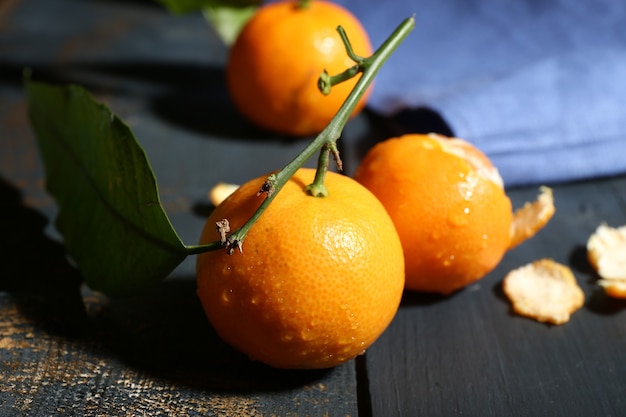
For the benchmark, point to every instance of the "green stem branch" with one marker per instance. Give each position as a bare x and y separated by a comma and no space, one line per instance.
317,188
326,140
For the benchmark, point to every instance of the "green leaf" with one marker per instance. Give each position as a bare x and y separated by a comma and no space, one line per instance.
188,6
227,17
228,21
110,215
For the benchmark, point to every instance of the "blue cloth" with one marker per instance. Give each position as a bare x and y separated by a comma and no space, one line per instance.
538,85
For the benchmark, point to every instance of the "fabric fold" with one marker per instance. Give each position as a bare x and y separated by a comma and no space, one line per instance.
540,87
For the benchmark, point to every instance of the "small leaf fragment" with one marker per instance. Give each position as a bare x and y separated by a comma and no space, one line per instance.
227,17
228,21
189,6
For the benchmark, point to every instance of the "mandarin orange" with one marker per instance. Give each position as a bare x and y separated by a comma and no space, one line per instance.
448,204
318,280
274,65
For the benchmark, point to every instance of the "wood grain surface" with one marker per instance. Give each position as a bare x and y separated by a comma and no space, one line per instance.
65,350
470,355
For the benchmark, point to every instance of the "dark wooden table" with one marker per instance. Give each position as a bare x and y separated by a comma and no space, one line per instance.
65,350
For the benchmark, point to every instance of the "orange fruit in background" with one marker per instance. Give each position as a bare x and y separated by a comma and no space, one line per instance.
448,204
274,65
318,280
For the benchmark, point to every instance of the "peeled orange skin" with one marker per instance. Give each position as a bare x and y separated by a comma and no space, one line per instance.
453,218
319,279
274,65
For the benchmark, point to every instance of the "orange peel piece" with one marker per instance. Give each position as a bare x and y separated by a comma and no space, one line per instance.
220,192
532,217
606,252
544,290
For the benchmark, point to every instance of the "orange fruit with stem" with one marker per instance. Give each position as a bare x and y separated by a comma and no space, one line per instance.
449,205
318,279
274,65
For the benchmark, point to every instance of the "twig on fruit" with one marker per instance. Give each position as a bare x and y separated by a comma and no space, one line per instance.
268,186
223,228
317,188
233,244
326,81
326,141
335,152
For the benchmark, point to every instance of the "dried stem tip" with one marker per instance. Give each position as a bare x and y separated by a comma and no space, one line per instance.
223,228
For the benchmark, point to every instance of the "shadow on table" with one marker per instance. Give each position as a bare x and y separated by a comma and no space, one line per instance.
35,268
194,97
191,96
413,298
162,332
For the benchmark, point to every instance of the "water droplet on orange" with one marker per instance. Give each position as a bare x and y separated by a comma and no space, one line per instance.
227,296
448,261
459,216
307,334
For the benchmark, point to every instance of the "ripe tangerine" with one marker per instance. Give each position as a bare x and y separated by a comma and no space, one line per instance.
276,60
319,278
448,204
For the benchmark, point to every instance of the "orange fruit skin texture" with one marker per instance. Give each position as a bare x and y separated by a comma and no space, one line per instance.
274,65
318,281
454,223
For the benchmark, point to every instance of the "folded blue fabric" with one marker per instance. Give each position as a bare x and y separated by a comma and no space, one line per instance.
538,85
